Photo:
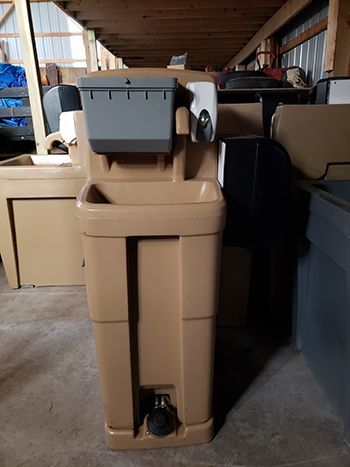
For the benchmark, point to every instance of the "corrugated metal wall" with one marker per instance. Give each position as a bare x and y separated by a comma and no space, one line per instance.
310,54
47,18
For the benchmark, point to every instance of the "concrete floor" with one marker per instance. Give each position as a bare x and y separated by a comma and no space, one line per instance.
269,410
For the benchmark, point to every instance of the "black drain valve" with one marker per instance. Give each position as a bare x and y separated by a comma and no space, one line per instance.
160,420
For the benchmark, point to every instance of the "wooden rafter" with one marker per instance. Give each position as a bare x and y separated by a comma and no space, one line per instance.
149,32
290,9
7,13
150,5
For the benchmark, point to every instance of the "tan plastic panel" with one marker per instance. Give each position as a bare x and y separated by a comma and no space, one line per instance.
240,119
108,299
7,243
338,172
201,162
112,341
314,136
169,330
185,435
48,243
198,270
201,159
158,312
197,371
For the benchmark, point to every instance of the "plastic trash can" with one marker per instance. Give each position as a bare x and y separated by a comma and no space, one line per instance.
152,241
322,325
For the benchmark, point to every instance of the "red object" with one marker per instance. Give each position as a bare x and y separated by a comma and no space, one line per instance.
271,71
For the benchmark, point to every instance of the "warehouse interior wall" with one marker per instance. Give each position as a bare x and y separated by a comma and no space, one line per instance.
311,54
58,37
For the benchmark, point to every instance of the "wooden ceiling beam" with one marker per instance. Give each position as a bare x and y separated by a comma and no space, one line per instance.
288,11
103,19
168,4
194,66
184,42
187,47
162,60
131,15
170,27
222,35
175,47
224,42
160,53
165,60
150,31
207,60
162,64
155,59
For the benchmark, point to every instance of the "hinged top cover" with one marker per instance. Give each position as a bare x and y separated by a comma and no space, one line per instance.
124,82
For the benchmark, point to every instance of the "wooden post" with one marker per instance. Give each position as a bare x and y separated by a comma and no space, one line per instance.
108,60
119,63
337,59
104,58
31,65
90,50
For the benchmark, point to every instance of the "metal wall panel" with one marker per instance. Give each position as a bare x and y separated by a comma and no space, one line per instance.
310,54
47,17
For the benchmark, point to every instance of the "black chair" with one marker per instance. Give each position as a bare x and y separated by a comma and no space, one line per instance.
62,98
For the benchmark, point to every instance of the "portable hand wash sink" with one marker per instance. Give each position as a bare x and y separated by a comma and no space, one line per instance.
39,237
151,216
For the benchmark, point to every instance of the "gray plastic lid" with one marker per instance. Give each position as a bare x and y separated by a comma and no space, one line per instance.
118,82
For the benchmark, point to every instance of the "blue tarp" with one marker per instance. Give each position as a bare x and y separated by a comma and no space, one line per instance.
12,77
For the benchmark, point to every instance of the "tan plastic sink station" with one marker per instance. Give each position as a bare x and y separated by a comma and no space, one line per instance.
151,216
39,237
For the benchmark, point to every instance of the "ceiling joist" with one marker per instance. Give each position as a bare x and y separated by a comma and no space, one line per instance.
149,32
288,11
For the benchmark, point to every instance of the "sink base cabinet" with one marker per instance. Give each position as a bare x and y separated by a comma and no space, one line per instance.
40,242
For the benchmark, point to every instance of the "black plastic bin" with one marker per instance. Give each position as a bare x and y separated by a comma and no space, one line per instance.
255,174
322,311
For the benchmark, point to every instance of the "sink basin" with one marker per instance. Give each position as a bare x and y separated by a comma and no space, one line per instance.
28,166
150,208
28,160
153,193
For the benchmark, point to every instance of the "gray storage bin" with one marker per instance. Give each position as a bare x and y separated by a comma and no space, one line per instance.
128,115
322,319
